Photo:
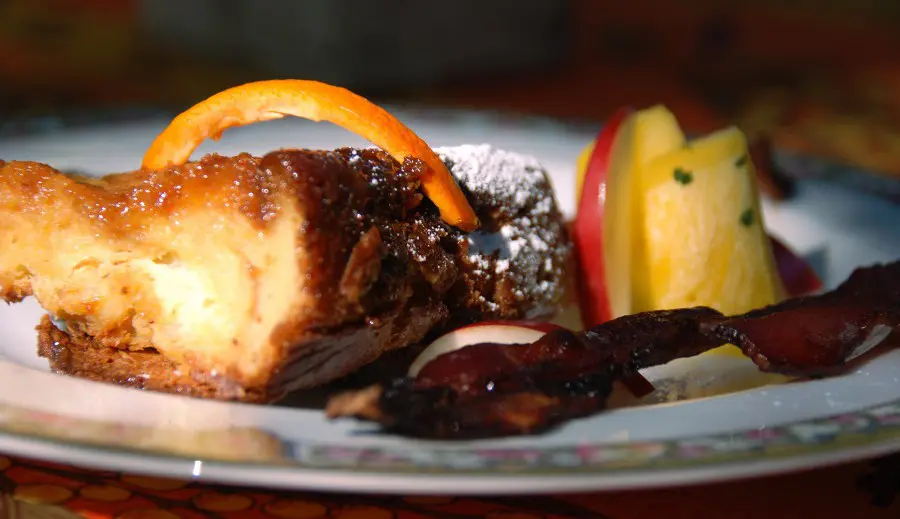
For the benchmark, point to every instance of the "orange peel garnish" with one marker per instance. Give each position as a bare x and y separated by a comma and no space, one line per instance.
274,99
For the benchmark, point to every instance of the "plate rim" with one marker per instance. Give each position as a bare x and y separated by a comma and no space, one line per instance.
823,441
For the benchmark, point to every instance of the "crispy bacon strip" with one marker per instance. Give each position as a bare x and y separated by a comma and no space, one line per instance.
813,336
498,390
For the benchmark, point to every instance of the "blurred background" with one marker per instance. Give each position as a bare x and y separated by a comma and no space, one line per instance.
816,75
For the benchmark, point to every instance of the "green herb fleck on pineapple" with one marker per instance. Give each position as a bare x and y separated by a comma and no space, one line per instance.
742,161
747,218
683,177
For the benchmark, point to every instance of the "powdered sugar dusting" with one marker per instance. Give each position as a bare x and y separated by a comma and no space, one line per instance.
483,168
523,245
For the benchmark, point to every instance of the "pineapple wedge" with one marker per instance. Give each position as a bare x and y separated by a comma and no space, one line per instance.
700,234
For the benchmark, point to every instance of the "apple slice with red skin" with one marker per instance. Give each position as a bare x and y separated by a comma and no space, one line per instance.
505,332
498,332
588,228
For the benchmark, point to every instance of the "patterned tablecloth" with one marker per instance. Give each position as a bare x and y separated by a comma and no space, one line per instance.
31,489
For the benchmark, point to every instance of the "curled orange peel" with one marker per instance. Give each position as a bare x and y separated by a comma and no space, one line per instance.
274,99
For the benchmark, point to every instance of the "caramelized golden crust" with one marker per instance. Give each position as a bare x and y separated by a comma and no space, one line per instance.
127,204
247,277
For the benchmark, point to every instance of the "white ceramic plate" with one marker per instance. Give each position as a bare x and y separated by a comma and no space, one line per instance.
762,430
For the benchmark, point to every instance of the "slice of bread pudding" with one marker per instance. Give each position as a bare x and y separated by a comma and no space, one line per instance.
246,277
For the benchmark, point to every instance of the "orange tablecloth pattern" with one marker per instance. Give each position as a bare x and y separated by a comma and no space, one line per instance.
36,489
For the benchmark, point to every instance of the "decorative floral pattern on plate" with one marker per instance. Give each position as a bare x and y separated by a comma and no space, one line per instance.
878,425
